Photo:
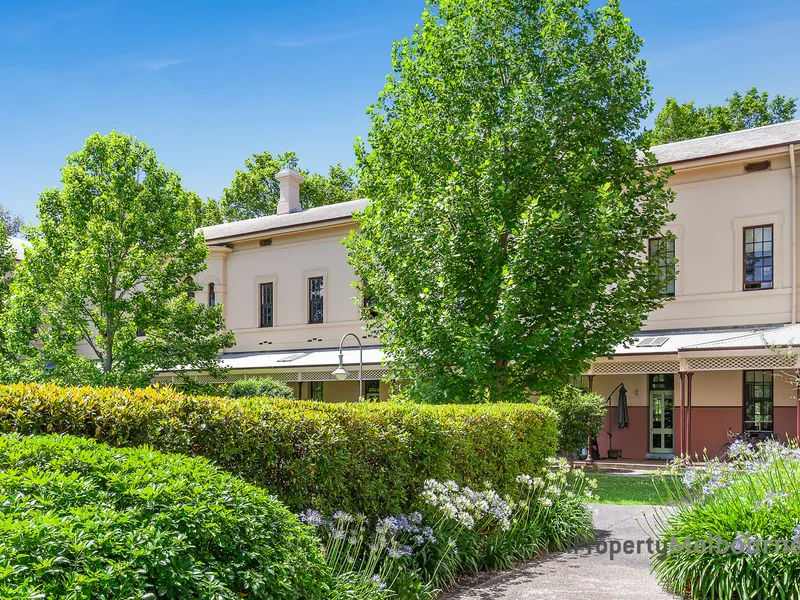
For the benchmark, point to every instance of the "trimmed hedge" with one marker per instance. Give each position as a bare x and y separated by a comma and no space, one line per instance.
368,457
83,520
255,387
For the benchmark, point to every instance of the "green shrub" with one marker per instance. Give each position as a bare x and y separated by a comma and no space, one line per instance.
83,520
360,457
580,416
259,387
745,507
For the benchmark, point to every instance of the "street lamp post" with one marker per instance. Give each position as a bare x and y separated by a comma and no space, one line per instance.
341,372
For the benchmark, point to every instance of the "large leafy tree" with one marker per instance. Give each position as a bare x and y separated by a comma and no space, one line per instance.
254,192
677,122
109,272
7,263
11,222
511,198
204,212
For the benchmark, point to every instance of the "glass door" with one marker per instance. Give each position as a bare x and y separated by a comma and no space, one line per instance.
662,405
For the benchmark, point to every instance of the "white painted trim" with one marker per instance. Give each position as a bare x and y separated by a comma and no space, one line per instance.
737,225
257,281
306,276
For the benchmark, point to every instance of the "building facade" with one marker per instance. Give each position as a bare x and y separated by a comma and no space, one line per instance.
286,290
717,356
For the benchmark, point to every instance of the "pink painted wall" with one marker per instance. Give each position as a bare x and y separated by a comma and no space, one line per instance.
631,440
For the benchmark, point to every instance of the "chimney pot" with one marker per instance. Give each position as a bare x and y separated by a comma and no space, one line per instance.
290,181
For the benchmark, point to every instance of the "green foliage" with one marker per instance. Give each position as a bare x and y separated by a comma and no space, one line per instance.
112,256
745,506
254,191
10,222
510,197
365,457
204,212
414,555
339,185
677,122
82,520
259,387
580,415
7,265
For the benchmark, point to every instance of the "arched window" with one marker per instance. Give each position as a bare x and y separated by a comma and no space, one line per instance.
212,295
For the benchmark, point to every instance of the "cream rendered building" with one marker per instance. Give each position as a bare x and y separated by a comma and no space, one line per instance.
722,345
287,293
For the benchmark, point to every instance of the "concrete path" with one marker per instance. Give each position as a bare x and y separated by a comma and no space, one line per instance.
583,574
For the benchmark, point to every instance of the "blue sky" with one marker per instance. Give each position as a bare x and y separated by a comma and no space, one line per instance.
209,83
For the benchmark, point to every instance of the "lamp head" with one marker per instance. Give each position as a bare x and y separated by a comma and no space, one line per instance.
341,372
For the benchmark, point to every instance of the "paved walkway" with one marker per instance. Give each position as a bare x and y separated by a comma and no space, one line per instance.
583,575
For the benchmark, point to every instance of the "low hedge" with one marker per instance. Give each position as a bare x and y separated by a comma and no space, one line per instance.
368,457
84,520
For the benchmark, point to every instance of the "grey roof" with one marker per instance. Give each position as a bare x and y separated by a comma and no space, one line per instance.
18,246
728,143
673,341
782,337
300,358
332,212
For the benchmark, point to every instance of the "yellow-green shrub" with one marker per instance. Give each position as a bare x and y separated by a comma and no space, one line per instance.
369,457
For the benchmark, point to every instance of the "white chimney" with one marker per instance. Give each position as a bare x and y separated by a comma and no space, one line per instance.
290,191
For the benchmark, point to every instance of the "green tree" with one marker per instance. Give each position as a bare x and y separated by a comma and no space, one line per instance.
504,244
677,122
12,223
581,415
110,269
339,185
254,192
7,263
204,212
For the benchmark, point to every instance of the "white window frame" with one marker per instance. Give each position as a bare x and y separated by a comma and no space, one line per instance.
325,306
273,279
738,225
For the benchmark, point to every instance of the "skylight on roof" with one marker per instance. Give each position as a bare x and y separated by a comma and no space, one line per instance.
652,342
292,357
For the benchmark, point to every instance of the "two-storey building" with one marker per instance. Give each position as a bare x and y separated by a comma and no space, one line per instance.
287,292
718,355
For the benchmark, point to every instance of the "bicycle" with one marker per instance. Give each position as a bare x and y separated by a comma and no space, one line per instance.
749,437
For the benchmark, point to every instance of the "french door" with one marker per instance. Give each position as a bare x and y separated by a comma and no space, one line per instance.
662,432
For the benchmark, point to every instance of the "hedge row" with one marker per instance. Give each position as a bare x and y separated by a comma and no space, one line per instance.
368,457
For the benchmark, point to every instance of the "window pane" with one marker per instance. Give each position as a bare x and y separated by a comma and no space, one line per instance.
662,250
758,257
758,400
266,305
315,300
372,389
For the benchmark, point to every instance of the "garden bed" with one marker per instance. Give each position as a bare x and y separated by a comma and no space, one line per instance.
734,531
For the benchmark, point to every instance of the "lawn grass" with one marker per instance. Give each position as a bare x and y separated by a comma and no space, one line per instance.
631,489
